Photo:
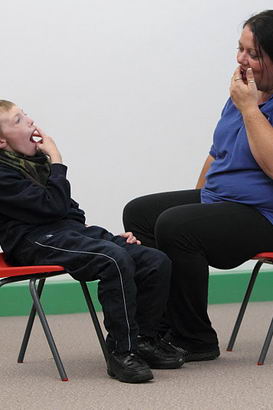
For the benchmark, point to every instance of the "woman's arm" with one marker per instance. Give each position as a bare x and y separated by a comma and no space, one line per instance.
260,138
259,130
202,176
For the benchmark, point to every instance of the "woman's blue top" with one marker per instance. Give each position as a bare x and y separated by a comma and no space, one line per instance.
234,175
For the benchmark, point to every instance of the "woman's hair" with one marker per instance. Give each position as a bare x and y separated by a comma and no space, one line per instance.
261,26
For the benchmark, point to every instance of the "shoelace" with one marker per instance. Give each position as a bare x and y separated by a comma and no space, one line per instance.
136,359
168,346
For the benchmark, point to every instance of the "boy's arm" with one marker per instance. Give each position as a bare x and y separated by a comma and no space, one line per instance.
48,146
30,202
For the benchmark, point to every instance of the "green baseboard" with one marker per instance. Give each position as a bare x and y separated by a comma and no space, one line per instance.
66,296
230,287
58,297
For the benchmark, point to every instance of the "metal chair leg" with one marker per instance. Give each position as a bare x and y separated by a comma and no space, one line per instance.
266,345
46,328
95,320
30,324
243,306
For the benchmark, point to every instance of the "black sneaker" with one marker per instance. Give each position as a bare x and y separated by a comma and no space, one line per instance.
128,368
193,356
202,356
158,355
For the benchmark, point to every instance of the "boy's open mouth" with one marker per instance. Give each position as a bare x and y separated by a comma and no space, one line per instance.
35,137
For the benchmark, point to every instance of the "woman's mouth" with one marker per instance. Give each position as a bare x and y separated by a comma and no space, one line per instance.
243,74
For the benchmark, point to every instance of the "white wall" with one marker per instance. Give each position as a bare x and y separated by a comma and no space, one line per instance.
131,90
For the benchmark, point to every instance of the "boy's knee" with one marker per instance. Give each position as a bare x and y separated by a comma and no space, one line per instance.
122,258
159,262
165,268
164,261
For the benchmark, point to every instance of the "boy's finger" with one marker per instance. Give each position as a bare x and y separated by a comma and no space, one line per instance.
40,131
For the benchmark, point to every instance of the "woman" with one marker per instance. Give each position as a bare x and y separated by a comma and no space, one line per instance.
228,218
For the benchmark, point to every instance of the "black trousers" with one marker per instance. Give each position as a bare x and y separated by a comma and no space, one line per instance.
194,236
134,280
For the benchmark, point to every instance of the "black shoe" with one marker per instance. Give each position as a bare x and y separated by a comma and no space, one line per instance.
129,368
158,355
193,356
201,356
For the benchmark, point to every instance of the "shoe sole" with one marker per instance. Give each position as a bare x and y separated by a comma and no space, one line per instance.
131,378
194,357
164,365
200,357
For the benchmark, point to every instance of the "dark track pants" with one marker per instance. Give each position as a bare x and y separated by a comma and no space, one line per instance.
134,280
194,236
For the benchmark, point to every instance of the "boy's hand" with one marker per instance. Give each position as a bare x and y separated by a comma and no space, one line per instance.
130,238
48,147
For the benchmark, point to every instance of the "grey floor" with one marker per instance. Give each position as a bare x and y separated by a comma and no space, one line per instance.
234,381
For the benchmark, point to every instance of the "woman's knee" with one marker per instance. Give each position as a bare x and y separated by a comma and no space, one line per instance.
139,217
131,210
173,228
165,228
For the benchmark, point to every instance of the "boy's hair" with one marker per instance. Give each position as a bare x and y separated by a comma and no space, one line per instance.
4,107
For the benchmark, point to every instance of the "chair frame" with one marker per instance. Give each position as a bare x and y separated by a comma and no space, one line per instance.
36,292
265,257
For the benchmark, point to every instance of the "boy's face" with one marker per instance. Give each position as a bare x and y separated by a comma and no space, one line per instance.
16,132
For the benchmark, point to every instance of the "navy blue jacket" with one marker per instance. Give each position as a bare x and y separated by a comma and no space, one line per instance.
26,205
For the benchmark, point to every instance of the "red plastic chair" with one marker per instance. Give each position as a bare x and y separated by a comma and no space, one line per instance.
10,274
264,257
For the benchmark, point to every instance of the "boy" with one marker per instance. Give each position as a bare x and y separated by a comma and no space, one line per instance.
41,224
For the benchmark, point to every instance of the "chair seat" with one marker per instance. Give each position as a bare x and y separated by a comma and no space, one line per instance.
264,256
7,270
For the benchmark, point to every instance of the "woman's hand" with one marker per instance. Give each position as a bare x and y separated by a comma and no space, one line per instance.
259,130
130,238
244,95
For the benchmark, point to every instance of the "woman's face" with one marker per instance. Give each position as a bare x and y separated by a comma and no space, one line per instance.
248,57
